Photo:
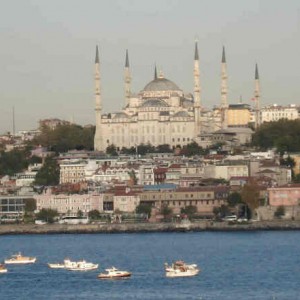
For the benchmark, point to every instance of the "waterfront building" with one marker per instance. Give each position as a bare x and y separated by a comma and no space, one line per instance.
69,204
205,199
12,208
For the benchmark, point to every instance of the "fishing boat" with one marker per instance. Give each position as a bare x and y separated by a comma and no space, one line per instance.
181,269
20,259
80,266
60,265
3,269
114,273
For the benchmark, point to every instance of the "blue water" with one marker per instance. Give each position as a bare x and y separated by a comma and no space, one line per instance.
239,265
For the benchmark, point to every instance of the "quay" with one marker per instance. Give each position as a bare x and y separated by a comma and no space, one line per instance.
9,229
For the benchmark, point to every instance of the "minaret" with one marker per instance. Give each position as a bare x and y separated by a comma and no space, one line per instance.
98,143
127,80
155,73
257,98
197,91
224,88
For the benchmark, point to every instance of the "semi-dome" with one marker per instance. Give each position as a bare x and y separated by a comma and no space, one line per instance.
154,102
181,114
120,115
161,84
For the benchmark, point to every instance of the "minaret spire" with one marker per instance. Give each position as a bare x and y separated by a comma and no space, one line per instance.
257,98
98,143
197,92
224,89
155,72
127,78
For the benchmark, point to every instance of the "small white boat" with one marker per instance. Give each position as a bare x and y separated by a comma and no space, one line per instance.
3,269
80,266
114,273
59,265
20,259
181,269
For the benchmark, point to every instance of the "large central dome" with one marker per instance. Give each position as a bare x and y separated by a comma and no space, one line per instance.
161,84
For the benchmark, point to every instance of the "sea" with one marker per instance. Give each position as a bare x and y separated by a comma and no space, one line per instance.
234,265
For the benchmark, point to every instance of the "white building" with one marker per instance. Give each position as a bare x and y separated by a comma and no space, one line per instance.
276,112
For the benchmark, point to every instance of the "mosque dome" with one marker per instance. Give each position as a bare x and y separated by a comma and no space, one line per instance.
161,84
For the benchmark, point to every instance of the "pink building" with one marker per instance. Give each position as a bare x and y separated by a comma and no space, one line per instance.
286,195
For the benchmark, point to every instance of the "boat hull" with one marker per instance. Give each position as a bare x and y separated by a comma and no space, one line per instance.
56,266
19,262
189,273
119,276
3,271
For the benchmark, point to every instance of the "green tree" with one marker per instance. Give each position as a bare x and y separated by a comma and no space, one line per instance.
164,148
280,211
48,173
221,211
234,199
190,211
94,214
166,211
79,213
111,150
144,208
66,137
46,214
192,149
269,135
13,162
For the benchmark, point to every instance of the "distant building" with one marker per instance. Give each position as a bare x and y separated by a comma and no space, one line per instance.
276,112
53,123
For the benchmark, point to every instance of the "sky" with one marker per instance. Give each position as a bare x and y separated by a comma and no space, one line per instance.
47,53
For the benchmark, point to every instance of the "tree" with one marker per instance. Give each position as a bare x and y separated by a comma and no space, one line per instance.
280,211
192,149
79,213
221,212
48,173
13,162
250,195
47,214
234,199
269,135
30,205
66,137
143,208
94,214
166,211
111,150
190,211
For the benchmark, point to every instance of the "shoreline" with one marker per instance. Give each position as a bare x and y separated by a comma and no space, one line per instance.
14,229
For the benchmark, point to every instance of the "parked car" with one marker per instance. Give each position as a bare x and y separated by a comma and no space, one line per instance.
242,219
232,218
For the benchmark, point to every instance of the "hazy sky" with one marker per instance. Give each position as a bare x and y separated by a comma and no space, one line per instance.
47,52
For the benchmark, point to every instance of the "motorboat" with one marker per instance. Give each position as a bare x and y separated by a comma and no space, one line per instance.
3,269
181,269
80,266
20,259
114,273
59,265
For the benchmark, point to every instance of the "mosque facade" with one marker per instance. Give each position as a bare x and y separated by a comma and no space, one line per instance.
161,113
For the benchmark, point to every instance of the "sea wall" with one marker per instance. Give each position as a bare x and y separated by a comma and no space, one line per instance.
147,227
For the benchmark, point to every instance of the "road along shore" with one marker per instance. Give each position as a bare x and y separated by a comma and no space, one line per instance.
147,227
